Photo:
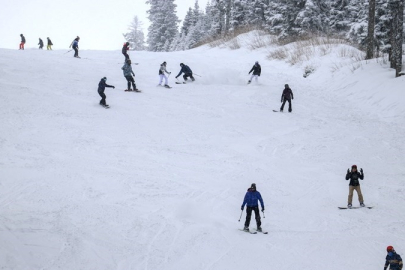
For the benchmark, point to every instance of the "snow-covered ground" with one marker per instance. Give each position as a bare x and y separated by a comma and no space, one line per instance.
157,180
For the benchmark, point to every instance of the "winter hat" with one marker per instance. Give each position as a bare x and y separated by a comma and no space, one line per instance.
286,86
257,62
181,64
354,166
253,186
164,62
390,248
104,78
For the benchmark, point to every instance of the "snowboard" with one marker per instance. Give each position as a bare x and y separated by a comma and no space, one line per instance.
166,86
180,82
105,106
356,207
275,111
247,231
137,90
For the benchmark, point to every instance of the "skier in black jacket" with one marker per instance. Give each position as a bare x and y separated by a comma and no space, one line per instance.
41,44
287,95
101,87
393,259
22,42
49,45
354,184
125,49
257,70
187,72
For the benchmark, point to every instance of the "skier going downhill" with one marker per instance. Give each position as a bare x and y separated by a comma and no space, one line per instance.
257,70
75,46
251,200
162,75
49,44
101,87
41,44
125,50
393,259
287,95
187,72
22,42
354,184
128,72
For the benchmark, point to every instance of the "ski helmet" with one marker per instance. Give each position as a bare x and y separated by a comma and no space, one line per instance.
286,86
181,64
253,186
104,78
257,62
390,248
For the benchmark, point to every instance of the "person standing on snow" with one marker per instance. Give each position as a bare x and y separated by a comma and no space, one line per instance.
125,49
354,184
162,74
251,200
287,95
393,259
75,46
49,45
128,72
257,70
41,44
22,42
101,87
187,72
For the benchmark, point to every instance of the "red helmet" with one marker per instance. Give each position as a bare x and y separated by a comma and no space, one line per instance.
390,248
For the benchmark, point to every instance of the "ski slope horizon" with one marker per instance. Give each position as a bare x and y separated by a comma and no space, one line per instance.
157,180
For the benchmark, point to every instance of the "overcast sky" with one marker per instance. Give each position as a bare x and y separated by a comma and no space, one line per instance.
99,23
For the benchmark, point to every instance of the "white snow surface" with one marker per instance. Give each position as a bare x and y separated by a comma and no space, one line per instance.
157,180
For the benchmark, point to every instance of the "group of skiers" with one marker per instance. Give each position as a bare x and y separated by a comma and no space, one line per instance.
74,44
48,46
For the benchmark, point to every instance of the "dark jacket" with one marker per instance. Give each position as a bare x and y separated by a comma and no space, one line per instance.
257,70
252,197
394,261
50,42
287,94
354,178
186,71
22,38
41,43
125,48
102,85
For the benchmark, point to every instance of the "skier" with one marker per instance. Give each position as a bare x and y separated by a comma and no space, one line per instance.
354,184
187,72
393,259
162,75
128,72
125,49
75,46
22,42
251,200
287,95
257,70
49,45
101,87
41,44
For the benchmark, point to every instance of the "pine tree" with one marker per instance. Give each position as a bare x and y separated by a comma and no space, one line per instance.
371,26
135,36
163,28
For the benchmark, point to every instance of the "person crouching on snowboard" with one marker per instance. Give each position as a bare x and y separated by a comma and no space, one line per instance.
251,200
257,70
101,87
354,184
393,259
187,72
128,72
287,95
162,74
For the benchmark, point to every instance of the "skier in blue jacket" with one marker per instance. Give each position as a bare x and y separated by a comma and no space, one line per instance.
251,200
187,72
393,260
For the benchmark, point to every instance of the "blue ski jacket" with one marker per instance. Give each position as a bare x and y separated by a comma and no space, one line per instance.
186,70
75,44
394,261
252,197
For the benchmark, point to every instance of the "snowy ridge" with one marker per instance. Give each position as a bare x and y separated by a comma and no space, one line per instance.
156,182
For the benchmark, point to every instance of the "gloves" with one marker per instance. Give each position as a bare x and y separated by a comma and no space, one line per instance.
177,77
348,170
113,87
292,98
262,209
170,73
241,208
361,170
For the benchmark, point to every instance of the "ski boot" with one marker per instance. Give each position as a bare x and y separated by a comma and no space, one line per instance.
362,204
246,229
349,206
249,81
259,229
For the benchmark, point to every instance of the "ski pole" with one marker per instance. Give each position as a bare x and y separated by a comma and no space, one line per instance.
68,51
263,214
197,75
241,213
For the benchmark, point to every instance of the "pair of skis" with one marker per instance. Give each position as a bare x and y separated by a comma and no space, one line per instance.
254,232
136,90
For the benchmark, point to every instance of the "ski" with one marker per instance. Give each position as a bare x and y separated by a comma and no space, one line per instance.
166,86
180,82
263,232
105,106
275,111
137,90
247,231
355,207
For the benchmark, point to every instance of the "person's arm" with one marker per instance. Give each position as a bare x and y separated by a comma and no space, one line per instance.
251,69
282,96
181,71
261,201
348,174
244,201
260,70
292,95
111,86
386,264
361,174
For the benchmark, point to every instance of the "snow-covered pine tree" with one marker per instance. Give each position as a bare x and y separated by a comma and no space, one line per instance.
163,27
238,15
135,35
371,27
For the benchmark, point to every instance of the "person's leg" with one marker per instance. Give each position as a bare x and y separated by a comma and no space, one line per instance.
248,216
103,97
76,52
192,78
23,45
257,217
133,83
128,82
166,80
160,79
185,77
282,106
358,190
289,105
256,78
350,197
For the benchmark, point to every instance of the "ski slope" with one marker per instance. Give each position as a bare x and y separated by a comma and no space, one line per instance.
157,180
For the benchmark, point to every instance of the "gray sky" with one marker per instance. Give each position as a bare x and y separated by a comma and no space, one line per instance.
99,23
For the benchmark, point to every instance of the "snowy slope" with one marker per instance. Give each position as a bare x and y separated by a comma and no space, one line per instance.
157,180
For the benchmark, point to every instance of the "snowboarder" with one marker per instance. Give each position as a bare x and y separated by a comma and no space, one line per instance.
49,45
162,74
128,72
187,72
125,49
22,42
393,259
354,184
257,70
287,95
251,200
75,46
41,44
101,87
